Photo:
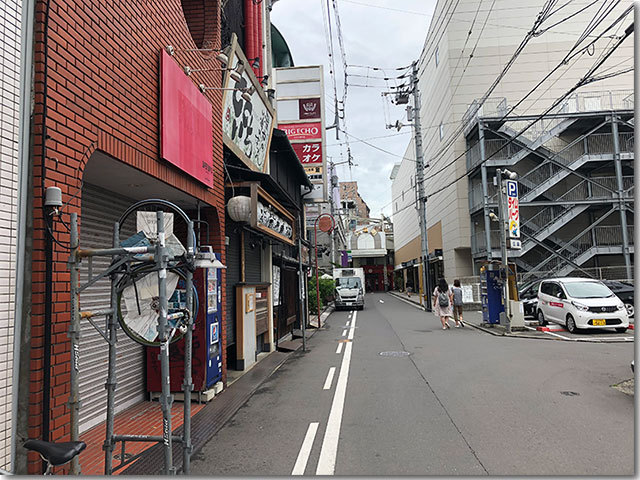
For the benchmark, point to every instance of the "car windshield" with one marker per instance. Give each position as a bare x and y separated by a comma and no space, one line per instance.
348,282
587,290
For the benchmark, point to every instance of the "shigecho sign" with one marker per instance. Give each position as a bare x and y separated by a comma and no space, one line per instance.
513,209
246,126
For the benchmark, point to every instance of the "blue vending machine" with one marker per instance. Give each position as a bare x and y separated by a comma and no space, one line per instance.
491,288
210,317
207,338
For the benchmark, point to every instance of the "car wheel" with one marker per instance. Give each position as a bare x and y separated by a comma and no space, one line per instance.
571,324
629,307
541,319
621,329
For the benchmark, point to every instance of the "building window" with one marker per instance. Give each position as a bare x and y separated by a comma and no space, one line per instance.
441,131
437,55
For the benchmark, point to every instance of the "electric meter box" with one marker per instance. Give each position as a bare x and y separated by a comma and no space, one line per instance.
207,339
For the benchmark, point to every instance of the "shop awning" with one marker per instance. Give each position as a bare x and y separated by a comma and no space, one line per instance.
282,149
272,187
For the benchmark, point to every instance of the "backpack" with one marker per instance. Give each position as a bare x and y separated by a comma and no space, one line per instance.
443,299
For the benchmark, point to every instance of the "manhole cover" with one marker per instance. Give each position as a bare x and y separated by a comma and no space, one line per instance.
570,394
394,354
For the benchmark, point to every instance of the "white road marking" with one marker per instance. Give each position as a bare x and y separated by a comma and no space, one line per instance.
348,322
305,450
327,382
339,349
381,301
329,450
559,336
344,332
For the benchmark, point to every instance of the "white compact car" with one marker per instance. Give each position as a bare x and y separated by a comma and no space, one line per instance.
580,303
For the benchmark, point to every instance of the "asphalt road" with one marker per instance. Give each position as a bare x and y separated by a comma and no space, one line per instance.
462,402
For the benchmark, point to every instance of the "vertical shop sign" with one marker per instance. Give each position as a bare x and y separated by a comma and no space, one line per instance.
246,125
513,209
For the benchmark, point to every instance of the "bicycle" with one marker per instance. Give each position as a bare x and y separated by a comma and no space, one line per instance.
55,454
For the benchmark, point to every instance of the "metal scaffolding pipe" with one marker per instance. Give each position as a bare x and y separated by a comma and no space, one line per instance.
188,353
111,382
621,201
485,190
74,335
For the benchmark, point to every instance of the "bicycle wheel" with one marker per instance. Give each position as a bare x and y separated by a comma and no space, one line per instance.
139,304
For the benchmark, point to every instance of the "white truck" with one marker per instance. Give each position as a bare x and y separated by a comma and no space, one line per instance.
349,292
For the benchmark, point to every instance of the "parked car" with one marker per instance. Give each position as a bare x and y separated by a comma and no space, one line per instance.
529,298
580,303
624,291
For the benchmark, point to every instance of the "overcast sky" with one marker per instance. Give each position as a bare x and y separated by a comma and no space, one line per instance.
376,33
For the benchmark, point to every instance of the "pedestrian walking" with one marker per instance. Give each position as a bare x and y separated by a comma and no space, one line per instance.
456,290
442,303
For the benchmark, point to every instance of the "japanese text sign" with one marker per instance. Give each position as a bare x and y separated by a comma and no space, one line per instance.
246,126
308,153
513,209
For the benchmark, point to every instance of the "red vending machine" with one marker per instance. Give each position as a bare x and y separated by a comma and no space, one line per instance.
207,343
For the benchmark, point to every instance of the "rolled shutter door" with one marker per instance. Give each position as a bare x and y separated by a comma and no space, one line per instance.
232,277
100,209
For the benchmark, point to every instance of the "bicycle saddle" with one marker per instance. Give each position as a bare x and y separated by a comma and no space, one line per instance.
56,453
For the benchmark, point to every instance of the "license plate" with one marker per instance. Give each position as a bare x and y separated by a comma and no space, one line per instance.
599,322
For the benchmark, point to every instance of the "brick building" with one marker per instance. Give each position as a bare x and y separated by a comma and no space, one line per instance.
349,193
96,136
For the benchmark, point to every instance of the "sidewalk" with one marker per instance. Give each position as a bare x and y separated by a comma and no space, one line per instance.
472,316
209,418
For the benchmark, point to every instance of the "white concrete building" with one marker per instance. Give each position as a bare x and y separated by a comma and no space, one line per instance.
468,45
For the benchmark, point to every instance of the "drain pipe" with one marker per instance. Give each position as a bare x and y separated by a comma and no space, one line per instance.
20,383
46,393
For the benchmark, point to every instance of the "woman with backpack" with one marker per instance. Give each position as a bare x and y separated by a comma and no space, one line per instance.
456,291
442,303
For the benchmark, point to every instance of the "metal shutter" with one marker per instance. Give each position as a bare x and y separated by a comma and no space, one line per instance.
252,260
233,277
100,209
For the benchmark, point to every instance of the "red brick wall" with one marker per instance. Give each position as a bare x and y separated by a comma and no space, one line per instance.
102,94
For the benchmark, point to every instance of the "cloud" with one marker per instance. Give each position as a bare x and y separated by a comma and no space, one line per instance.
376,35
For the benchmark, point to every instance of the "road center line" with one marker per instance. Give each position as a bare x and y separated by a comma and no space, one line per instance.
327,382
344,332
305,450
329,451
339,349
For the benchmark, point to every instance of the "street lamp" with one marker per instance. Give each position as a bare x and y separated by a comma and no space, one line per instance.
504,174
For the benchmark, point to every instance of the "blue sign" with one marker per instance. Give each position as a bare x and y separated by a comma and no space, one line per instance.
512,188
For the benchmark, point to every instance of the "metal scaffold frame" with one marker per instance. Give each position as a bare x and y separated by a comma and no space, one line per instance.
596,134
159,260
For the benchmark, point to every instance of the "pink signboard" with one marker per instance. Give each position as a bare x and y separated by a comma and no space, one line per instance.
308,153
186,134
302,131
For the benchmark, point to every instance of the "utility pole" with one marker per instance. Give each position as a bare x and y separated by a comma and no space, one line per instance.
503,248
333,180
422,199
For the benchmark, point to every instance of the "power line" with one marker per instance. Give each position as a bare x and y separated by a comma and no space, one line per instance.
586,79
